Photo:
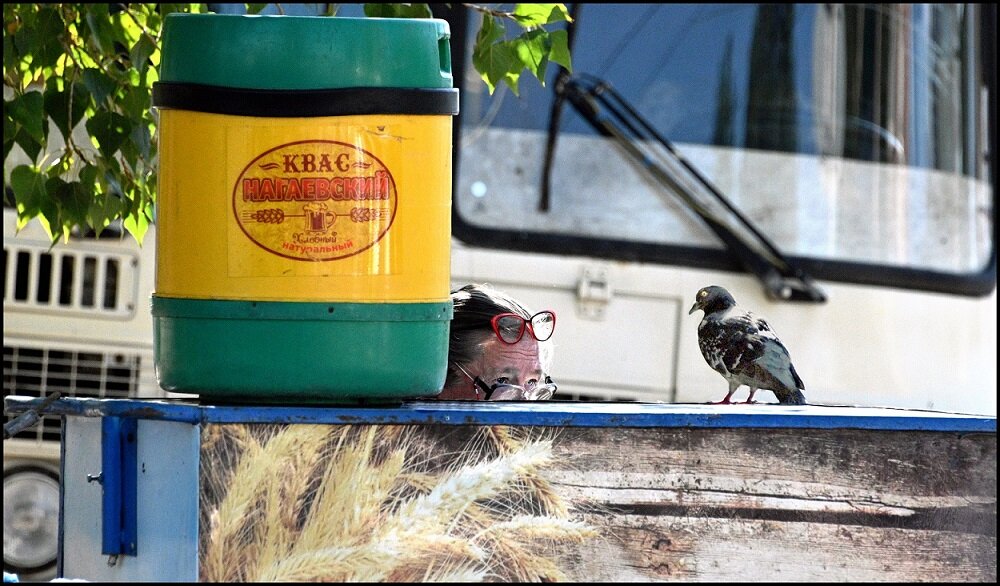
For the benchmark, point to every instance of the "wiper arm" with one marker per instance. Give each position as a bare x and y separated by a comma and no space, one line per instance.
612,116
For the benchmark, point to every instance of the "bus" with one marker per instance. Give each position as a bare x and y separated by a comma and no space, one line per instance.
830,165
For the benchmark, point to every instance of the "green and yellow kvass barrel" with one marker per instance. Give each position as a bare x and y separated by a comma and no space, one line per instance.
304,207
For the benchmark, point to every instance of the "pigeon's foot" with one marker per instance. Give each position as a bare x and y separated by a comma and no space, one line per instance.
749,402
725,401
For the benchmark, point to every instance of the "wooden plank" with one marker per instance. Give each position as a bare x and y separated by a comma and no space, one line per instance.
880,470
694,548
776,504
608,503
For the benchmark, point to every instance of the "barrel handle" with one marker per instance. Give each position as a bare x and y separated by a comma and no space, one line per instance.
444,53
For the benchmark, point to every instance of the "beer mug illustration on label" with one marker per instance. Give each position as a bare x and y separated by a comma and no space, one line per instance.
318,219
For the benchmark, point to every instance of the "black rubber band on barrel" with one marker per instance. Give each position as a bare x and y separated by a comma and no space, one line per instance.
303,103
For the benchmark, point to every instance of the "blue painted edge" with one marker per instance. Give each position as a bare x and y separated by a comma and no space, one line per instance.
119,485
111,485
130,486
549,413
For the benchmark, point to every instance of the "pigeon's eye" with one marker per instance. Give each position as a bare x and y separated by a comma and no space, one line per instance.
702,293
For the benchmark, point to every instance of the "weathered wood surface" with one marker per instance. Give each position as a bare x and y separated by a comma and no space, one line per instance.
791,505
777,504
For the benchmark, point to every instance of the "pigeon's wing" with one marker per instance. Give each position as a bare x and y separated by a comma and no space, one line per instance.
781,359
759,355
731,344
774,365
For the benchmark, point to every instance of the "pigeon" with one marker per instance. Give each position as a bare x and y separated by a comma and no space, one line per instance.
744,349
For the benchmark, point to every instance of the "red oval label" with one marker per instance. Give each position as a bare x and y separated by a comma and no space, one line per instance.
315,200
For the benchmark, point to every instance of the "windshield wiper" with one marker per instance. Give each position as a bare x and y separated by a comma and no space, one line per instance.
612,116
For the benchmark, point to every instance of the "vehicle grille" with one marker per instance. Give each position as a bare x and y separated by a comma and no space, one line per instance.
36,372
86,282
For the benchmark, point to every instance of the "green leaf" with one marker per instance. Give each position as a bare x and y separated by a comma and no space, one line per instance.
153,19
102,211
109,129
114,46
88,176
491,31
498,63
398,10
8,198
129,152
140,53
48,216
30,146
27,110
29,191
493,58
11,55
255,8
141,140
166,9
137,223
532,50
136,101
137,149
103,207
559,52
67,106
72,203
531,15
100,85
9,130
101,34
47,31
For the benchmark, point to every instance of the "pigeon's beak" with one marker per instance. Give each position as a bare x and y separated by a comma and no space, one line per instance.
694,307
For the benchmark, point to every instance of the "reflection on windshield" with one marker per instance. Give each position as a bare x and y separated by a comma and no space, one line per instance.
848,132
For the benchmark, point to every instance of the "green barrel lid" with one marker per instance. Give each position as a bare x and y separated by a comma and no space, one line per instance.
305,52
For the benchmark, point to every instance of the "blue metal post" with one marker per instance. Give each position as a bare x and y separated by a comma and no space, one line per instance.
119,458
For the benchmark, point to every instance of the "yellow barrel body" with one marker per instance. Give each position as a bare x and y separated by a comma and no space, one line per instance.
340,208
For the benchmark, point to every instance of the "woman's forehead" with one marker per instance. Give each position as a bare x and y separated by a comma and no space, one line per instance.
507,359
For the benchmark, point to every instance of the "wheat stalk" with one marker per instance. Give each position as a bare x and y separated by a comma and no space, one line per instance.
357,510
533,527
350,495
334,564
294,453
479,481
505,440
454,575
251,506
223,547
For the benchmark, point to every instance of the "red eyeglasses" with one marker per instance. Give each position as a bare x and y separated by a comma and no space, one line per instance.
509,327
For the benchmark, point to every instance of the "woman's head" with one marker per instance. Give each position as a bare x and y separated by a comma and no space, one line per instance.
475,349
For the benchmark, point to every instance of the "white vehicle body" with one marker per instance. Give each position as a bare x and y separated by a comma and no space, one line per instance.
76,321
871,347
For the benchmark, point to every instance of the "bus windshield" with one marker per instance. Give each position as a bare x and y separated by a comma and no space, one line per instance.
855,137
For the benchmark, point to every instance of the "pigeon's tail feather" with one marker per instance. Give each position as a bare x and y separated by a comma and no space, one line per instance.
794,398
798,381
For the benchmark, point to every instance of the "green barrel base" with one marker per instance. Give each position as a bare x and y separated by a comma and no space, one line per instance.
255,352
